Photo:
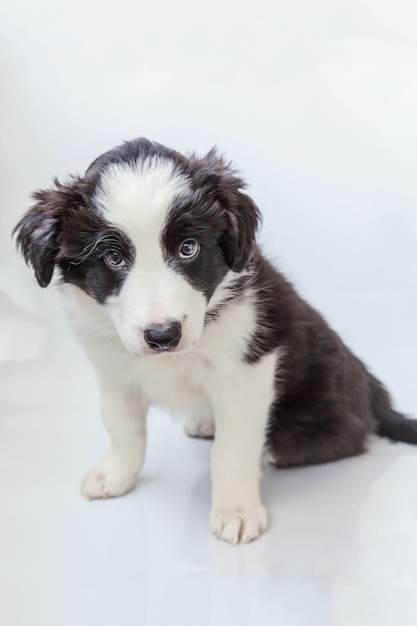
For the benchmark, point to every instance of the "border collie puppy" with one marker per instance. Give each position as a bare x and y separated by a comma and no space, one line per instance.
176,306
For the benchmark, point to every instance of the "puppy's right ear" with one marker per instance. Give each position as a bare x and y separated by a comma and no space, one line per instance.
38,230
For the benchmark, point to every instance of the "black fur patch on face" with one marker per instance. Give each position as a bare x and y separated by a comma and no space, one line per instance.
217,215
200,220
64,229
85,238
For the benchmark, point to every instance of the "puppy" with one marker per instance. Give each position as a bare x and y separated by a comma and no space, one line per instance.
175,305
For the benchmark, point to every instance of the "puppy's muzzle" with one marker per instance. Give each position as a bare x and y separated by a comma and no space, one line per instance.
162,337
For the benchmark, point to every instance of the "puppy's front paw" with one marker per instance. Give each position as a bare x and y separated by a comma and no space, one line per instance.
107,479
238,524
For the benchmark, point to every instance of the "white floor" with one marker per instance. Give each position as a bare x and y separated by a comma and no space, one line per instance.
341,549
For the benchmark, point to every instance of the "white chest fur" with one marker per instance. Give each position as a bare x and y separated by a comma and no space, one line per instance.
180,382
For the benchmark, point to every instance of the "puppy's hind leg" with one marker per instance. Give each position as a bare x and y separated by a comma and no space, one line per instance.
200,426
124,417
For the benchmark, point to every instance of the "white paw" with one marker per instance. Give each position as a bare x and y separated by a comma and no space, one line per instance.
108,479
200,427
239,524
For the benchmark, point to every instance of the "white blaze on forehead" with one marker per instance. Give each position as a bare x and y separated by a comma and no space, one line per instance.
137,196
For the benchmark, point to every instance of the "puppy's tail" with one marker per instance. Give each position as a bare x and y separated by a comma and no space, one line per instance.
390,424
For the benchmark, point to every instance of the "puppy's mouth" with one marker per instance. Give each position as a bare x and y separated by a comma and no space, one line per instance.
160,352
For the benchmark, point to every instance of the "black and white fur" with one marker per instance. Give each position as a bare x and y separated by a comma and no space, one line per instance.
176,306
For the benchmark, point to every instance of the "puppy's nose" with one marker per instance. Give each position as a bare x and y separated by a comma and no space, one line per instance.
161,337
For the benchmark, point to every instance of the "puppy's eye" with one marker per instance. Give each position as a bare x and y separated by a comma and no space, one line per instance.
114,259
189,248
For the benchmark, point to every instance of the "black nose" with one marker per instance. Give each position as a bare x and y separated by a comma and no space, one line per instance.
163,336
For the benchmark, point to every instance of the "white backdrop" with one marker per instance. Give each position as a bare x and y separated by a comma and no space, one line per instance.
315,102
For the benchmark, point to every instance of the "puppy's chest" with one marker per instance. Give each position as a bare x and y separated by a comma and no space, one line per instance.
177,383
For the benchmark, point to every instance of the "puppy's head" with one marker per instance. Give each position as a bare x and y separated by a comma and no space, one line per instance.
149,234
